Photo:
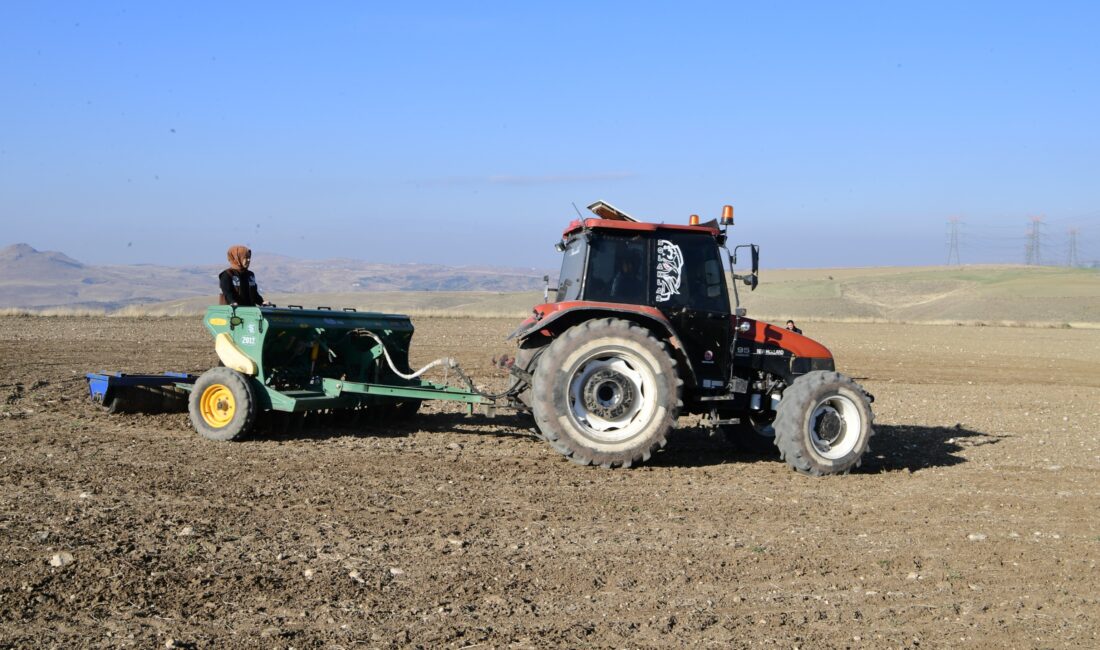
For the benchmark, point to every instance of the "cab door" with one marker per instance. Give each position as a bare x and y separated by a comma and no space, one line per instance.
691,291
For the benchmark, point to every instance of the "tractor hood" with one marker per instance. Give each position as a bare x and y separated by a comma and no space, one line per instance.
772,335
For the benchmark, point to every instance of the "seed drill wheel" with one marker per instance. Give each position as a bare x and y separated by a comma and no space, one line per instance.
823,424
606,393
222,404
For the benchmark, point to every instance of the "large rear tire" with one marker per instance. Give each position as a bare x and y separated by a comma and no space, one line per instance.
606,392
222,405
823,424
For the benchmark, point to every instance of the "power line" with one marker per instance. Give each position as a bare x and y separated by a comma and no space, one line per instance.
1045,240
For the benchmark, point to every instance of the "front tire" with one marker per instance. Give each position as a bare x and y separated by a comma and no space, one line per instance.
222,405
823,424
606,393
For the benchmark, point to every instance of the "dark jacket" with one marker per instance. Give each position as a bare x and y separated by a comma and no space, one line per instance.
239,286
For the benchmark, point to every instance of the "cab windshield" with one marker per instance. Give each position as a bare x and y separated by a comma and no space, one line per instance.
570,280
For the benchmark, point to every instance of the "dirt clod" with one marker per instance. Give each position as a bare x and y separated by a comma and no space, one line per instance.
62,559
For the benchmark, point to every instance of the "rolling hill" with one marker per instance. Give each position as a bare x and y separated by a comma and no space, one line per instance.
971,294
975,294
36,279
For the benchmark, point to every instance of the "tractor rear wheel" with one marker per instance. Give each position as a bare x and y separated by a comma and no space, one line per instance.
823,424
222,404
606,392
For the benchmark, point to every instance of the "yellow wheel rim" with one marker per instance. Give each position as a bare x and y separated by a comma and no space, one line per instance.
217,405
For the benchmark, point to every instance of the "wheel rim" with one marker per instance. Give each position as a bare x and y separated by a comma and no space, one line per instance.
612,395
835,427
217,405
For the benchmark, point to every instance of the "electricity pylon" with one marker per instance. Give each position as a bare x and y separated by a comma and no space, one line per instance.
953,240
1034,242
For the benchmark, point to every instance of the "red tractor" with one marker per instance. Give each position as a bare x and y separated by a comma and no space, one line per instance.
642,331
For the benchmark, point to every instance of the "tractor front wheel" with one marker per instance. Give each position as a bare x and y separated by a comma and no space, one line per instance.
606,392
222,404
823,424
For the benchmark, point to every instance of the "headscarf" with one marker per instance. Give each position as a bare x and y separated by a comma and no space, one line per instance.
237,256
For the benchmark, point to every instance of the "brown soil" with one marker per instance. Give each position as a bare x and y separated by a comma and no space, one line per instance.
973,522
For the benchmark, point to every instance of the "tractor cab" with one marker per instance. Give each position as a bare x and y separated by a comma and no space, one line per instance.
673,270
671,267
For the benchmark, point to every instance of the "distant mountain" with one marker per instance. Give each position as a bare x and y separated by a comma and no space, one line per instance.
25,263
39,279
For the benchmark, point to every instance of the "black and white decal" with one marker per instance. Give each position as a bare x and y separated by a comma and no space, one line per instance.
670,263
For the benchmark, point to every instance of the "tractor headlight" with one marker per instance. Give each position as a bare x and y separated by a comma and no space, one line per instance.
744,326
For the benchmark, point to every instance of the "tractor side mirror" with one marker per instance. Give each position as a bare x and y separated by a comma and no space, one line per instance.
755,267
752,278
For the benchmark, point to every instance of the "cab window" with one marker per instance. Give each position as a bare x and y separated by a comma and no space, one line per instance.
617,269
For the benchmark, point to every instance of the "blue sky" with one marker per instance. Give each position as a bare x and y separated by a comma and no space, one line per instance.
846,134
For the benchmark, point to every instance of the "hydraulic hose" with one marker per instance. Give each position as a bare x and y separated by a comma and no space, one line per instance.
447,363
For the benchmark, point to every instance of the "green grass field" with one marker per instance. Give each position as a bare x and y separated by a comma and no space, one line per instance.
970,294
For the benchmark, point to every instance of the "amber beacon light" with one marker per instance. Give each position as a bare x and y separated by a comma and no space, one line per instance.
727,215
693,220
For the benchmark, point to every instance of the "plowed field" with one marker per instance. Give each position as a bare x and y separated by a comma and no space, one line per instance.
973,522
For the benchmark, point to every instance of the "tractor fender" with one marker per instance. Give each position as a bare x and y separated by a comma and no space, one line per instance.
551,319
